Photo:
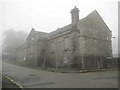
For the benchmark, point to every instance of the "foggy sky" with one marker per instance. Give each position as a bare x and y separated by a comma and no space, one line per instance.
48,15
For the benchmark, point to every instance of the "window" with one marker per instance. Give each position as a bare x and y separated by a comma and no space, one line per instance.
31,49
67,43
52,46
65,60
107,38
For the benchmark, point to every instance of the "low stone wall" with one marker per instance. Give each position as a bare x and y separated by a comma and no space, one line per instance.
90,62
95,62
114,62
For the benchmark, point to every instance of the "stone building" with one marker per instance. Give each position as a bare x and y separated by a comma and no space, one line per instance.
85,44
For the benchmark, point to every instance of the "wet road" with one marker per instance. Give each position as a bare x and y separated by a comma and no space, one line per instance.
31,78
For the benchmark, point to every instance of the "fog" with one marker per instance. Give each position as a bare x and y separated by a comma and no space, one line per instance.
17,17
48,15
12,40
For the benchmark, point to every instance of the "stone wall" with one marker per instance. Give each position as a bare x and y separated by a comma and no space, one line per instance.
95,62
95,36
59,50
114,62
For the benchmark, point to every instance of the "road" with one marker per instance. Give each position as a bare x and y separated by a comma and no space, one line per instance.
8,84
31,78
0,73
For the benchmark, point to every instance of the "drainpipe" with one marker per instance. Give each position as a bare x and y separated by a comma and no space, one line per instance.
56,61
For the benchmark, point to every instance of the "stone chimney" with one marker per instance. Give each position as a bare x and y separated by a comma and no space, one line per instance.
75,15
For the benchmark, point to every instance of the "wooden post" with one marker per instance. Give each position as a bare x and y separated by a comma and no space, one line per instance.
44,59
83,67
98,63
56,61
101,63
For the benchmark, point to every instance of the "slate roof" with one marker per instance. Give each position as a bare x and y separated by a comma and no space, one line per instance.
93,20
41,34
60,30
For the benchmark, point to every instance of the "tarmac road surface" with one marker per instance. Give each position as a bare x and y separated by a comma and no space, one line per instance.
31,78
8,84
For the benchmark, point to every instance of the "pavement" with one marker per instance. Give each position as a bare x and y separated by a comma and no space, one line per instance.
37,78
70,70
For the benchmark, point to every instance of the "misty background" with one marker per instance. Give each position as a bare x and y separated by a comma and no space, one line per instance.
19,16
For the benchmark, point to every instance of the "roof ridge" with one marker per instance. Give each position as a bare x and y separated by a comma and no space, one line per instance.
41,32
60,28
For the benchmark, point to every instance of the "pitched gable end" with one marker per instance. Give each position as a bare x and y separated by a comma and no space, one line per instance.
31,35
95,18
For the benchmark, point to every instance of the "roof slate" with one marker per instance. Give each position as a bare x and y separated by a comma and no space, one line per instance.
60,30
92,20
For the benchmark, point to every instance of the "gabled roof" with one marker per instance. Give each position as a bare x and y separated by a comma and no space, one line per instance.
37,34
41,34
94,20
60,30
